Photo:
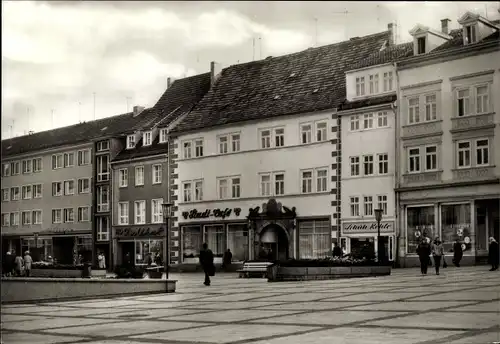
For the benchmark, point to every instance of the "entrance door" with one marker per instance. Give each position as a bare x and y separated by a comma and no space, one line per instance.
128,253
274,244
63,249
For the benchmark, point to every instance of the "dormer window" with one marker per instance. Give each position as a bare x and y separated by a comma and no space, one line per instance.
360,86
470,34
130,142
421,45
147,138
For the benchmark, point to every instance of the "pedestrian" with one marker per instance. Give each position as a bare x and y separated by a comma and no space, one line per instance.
27,263
207,263
493,256
437,253
102,261
18,265
9,264
337,251
227,259
424,251
458,253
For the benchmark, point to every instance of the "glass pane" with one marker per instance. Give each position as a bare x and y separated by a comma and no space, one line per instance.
456,223
238,242
420,224
192,241
216,239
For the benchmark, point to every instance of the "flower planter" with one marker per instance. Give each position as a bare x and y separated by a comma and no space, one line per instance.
279,273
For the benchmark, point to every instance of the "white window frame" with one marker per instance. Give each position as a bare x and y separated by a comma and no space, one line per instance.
459,150
35,220
382,203
139,215
187,149
383,162
26,217
323,180
482,148
424,46
131,141
18,198
147,139
355,166
187,191
388,81
354,210
235,187
80,213
5,219
157,214
473,34
14,218
154,173
55,212
163,135
123,218
368,205
430,107
84,157
321,132
103,146
56,194
102,231
15,168
4,190
102,176
360,86
307,181
414,110
57,161
137,181
368,121
483,99
35,194
279,137
223,144
69,192
198,190
123,177
29,192
265,186
278,186
235,142
265,138
354,121
81,186
306,134
66,213
466,101
6,169
102,204
368,160
198,148
27,166
37,165
219,189
416,157
67,162
374,83
427,154
382,119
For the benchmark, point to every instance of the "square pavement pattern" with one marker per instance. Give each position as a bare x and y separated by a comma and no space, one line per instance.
462,305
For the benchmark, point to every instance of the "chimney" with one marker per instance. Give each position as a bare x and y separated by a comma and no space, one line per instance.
215,70
444,25
391,27
169,82
138,109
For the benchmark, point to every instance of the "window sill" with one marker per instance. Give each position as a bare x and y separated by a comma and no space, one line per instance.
422,177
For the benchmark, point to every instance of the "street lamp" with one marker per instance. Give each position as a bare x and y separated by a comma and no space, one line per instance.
166,217
378,217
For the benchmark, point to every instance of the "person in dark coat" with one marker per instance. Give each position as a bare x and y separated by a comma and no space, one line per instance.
424,251
458,253
493,256
207,262
226,259
337,251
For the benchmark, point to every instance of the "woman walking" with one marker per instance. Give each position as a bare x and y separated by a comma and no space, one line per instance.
494,255
437,253
458,253
424,251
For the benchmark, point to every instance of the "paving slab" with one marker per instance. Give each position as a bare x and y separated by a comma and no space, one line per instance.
25,338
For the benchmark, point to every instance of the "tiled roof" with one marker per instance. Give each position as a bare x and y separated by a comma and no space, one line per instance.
141,151
346,105
389,54
455,42
307,81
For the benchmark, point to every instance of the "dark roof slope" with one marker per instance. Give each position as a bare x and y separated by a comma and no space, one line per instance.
454,42
367,102
389,54
141,151
307,81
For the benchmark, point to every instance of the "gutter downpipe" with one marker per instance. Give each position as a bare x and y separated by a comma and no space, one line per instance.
396,106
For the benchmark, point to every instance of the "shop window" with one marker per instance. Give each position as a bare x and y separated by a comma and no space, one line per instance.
39,251
238,242
456,223
191,242
215,237
145,247
84,245
315,239
420,224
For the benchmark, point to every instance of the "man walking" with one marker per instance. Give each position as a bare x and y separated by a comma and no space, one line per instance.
207,263
424,251
493,254
458,252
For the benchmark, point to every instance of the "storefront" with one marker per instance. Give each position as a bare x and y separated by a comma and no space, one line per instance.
357,236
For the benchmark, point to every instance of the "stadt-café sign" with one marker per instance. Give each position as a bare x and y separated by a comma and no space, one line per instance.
139,232
368,227
210,213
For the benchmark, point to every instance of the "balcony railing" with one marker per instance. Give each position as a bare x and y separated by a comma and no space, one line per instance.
422,129
473,122
474,173
428,177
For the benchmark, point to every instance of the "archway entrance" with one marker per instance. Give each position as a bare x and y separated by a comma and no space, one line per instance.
273,244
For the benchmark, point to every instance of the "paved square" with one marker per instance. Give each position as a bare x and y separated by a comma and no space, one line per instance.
461,306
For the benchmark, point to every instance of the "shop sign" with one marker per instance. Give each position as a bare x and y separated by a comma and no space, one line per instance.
208,213
368,227
139,232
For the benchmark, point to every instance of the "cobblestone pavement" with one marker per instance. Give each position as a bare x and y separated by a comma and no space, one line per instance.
461,306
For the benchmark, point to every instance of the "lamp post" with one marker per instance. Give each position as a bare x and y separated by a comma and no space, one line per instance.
378,217
166,217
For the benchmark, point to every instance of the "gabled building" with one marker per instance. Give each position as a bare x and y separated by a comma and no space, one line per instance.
258,158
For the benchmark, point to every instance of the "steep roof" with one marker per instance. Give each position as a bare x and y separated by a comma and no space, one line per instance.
141,151
389,54
310,80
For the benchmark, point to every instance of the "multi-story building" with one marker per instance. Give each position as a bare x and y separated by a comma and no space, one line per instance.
368,130
257,160
448,134
140,184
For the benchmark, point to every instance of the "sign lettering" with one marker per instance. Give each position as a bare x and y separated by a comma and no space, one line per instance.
372,227
139,232
208,213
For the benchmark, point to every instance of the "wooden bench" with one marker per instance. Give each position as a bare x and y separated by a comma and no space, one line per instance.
254,269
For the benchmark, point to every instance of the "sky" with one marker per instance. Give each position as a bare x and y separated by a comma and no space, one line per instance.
60,56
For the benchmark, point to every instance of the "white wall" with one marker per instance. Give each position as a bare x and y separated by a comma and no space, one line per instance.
351,81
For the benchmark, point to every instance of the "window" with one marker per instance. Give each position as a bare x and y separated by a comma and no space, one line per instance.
374,84
235,187
6,170
382,119
482,99
237,241
103,146
57,161
321,180
37,190
464,154
123,177
102,168
235,142
198,148
139,175
222,144
102,228
279,184
26,192
15,168
279,137
354,119
192,239
103,198
368,121
14,218
5,220
413,111
420,224
216,239
83,185
430,107
69,159
383,163
368,165
421,45
188,191
37,165
69,215
306,133
148,135
388,81
27,166
360,86
382,203
306,177
265,138
57,188
354,166
414,160
482,152
163,135
431,158
14,193
140,212
26,217
123,213
5,195
69,187
198,190
470,34
354,205
463,102
84,157
157,174
315,239
321,131
265,184
458,216
368,205
130,141
157,210
223,188
83,214
187,149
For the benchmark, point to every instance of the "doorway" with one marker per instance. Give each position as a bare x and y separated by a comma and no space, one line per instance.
273,244
128,253
63,249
